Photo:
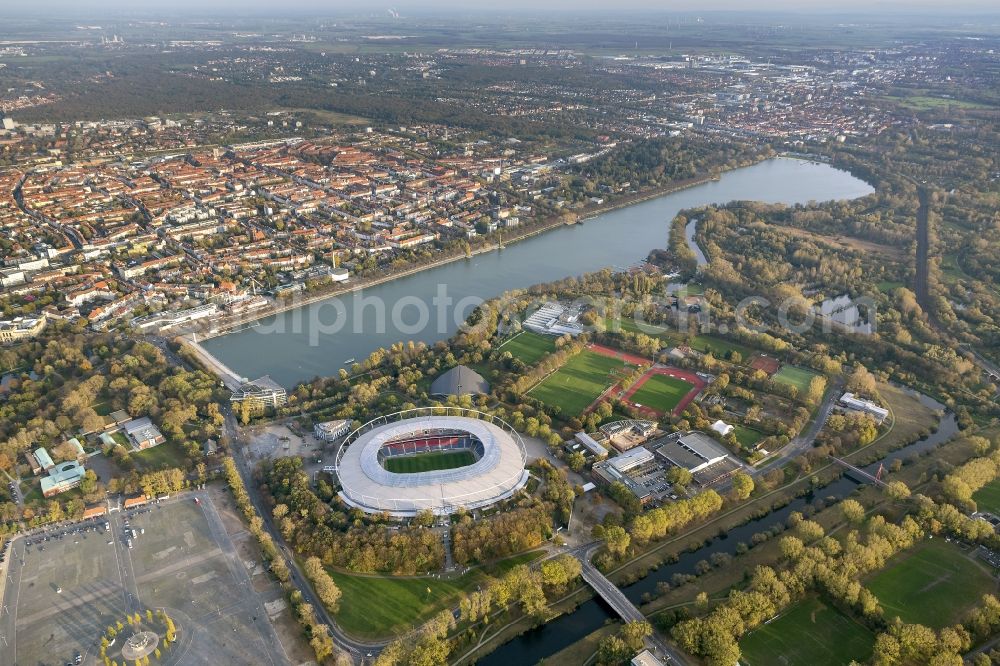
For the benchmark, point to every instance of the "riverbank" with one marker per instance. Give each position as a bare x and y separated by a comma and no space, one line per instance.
214,327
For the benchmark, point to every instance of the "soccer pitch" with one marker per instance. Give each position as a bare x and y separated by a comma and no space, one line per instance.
809,634
988,497
579,382
428,462
932,584
661,393
529,347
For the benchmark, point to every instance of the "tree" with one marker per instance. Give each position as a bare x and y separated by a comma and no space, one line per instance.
613,651
617,540
852,511
742,485
897,490
679,476
326,589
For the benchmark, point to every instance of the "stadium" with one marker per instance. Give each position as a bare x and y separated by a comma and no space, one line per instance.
437,459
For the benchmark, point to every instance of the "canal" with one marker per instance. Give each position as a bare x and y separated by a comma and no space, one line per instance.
546,640
320,338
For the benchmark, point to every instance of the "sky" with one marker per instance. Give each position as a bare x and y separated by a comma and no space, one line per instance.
236,7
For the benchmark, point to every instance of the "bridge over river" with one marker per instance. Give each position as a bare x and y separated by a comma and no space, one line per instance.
621,605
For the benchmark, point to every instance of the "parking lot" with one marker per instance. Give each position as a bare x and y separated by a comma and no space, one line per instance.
64,587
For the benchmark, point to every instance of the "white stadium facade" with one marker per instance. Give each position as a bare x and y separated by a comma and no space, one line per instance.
497,473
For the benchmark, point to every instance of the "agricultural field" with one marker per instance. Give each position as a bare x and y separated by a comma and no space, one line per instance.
381,606
988,498
661,393
796,376
428,462
529,347
810,634
933,584
579,382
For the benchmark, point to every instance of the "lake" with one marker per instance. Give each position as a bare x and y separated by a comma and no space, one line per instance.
320,338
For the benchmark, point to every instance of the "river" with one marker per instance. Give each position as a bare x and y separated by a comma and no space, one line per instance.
544,641
319,339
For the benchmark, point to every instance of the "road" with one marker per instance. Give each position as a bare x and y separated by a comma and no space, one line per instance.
805,439
359,650
621,605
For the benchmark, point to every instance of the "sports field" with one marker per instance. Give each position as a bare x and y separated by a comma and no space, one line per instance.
809,634
428,462
933,584
988,497
380,606
661,393
529,347
579,382
796,376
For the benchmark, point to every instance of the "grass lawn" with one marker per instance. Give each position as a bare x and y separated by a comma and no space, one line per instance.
810,634
988,497
721,348
631,326
427,462
885,286
661,392
797,376
158,457
933,584
380,606
529,347
578,383
747,437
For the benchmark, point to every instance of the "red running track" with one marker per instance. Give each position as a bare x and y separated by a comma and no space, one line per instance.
676,373
686,375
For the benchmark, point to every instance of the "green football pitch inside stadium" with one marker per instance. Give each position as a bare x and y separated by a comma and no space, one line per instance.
428,462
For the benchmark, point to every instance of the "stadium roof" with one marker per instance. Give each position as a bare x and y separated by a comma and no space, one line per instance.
495,476
460,380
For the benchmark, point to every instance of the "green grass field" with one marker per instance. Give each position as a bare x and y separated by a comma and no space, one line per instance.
796,376
988,497
428,462
161,456
529,347
933,584
810,634
747,437
377,606
578,383
721,348
661,392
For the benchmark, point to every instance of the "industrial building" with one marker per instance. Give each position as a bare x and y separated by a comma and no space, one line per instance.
706,459
853,403
638,470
